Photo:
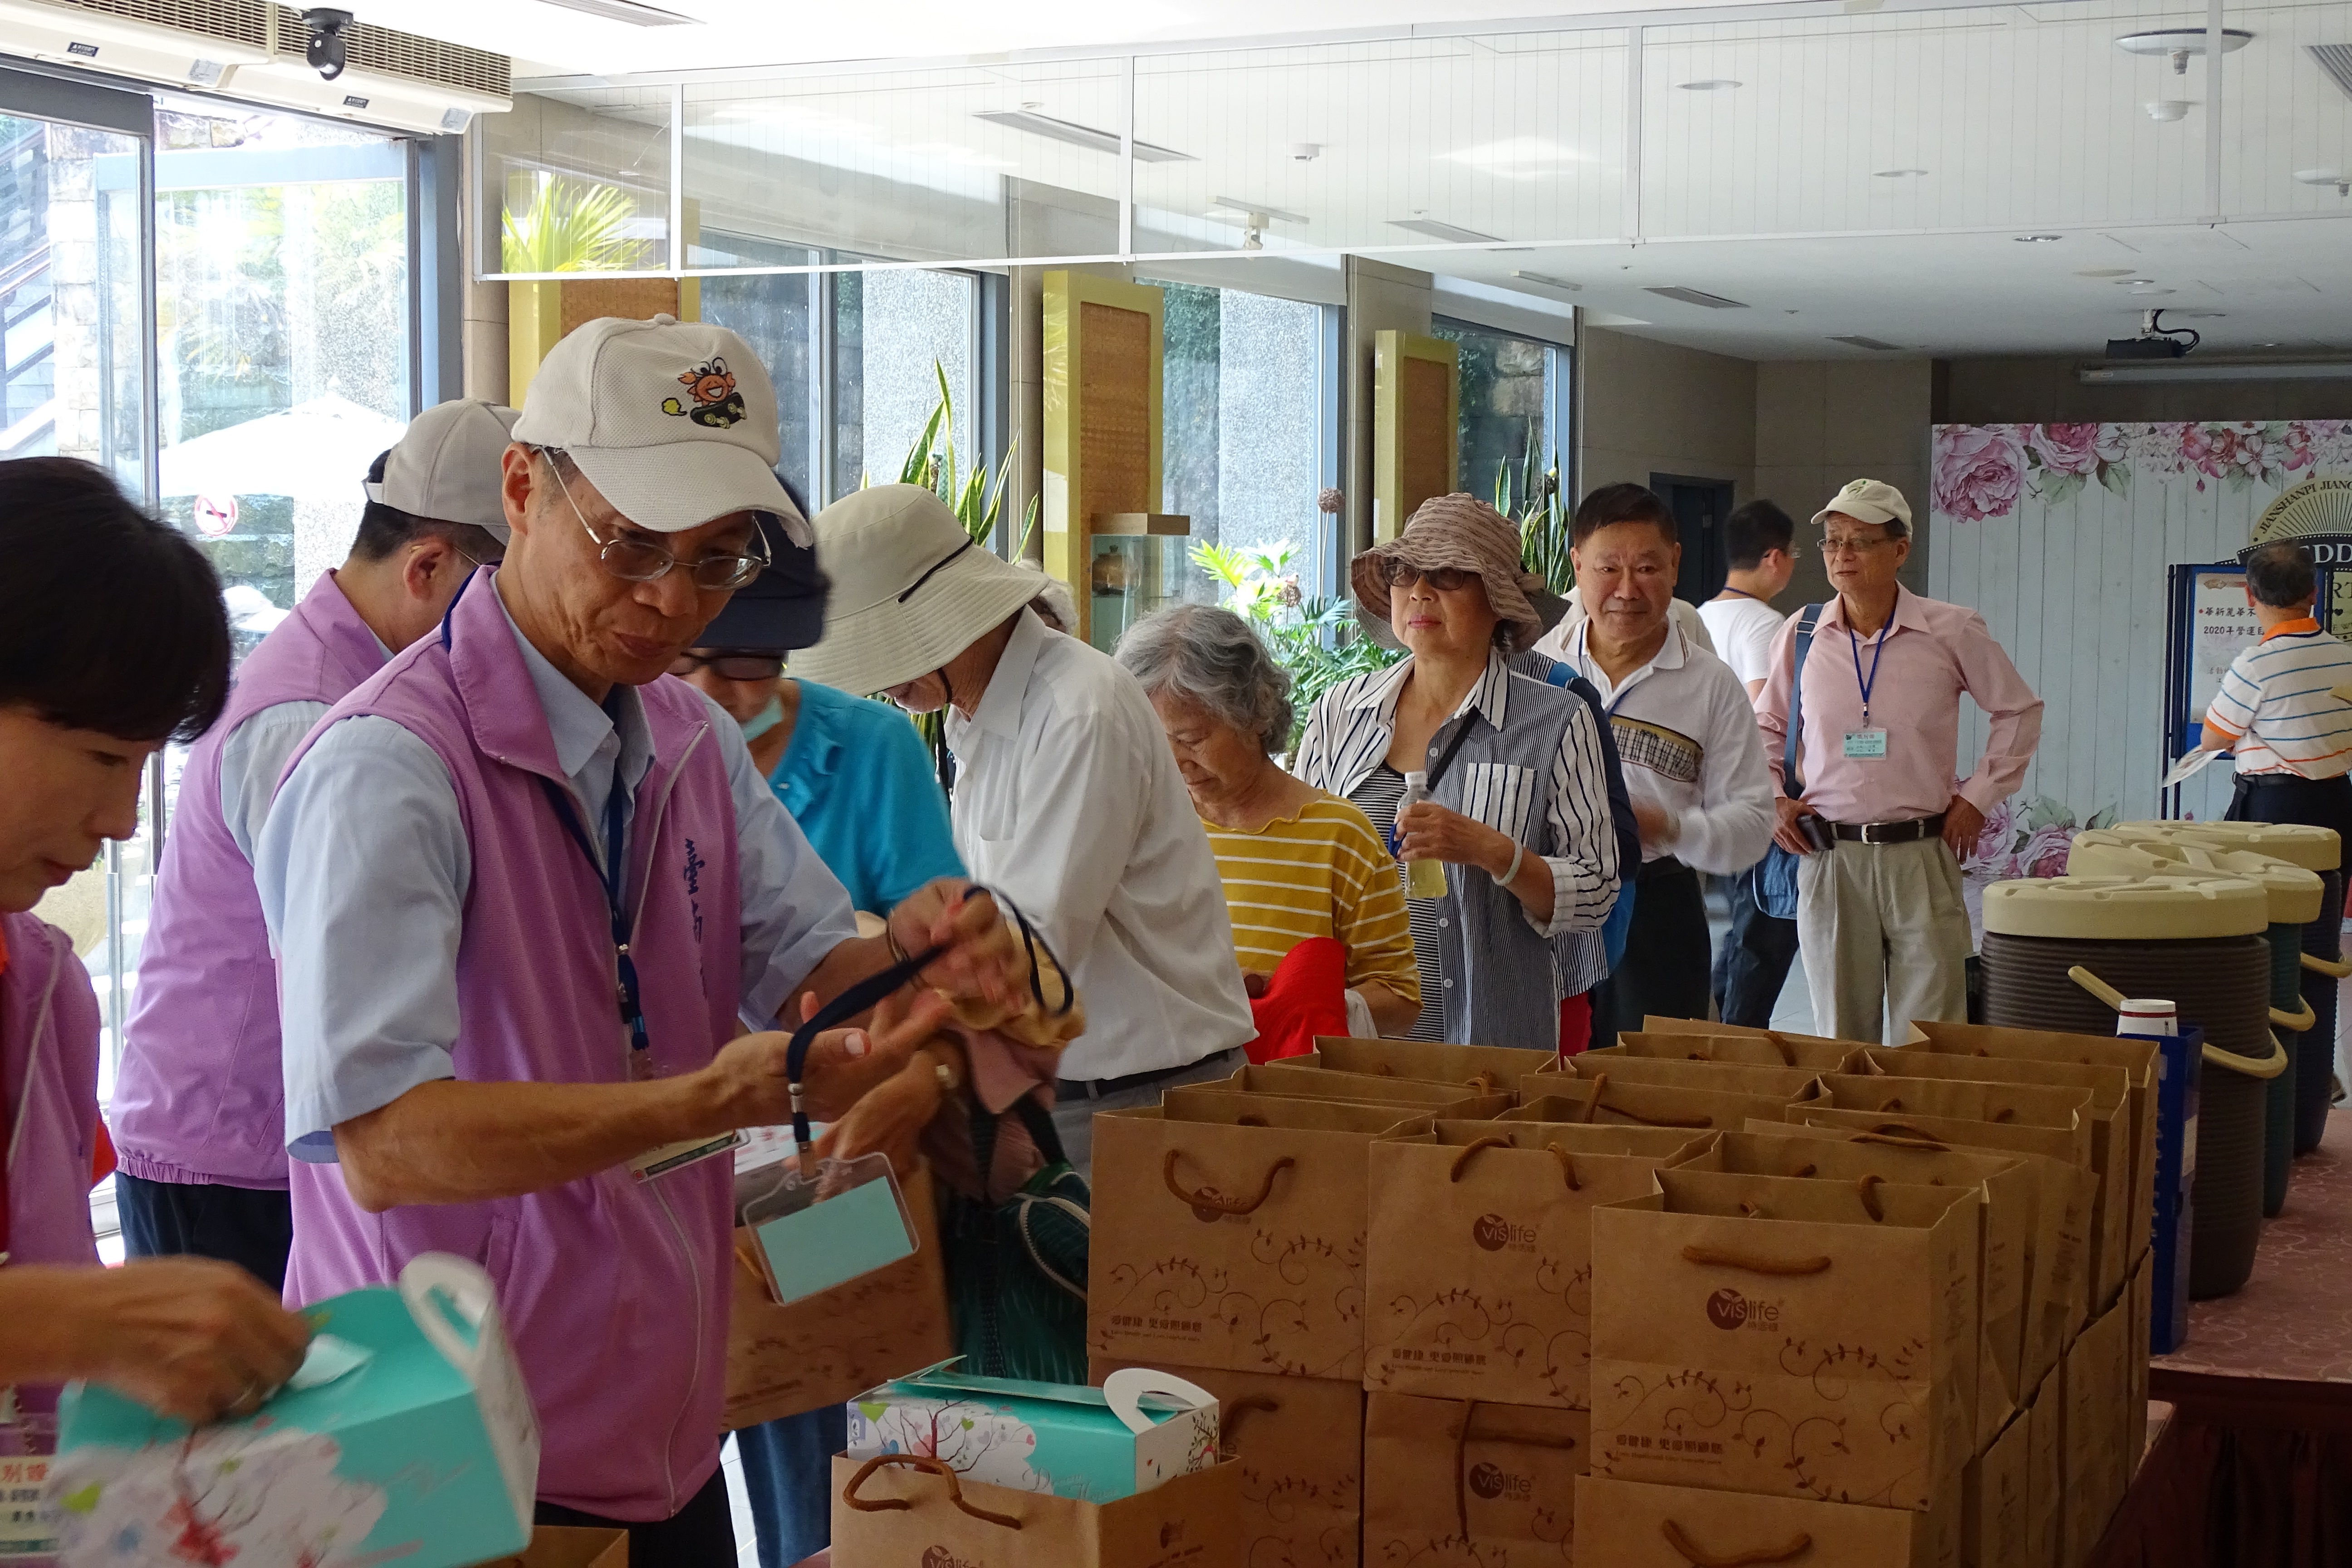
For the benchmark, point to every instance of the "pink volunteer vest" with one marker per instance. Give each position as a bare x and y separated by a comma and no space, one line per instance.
202,1096
616,1292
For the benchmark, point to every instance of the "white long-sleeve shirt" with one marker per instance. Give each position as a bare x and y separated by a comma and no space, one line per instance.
1686,734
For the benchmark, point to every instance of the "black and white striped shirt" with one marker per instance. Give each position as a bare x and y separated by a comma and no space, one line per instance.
1531,767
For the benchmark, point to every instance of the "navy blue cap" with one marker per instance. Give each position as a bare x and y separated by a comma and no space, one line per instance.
781,609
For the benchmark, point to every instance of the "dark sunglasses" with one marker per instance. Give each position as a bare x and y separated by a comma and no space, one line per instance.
731,665
1444,579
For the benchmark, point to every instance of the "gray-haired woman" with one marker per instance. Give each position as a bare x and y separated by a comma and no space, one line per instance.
1297,863
1517,775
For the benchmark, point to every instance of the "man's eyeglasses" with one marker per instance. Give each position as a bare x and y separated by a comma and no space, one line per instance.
1834,546
731,665
638,560
1444,579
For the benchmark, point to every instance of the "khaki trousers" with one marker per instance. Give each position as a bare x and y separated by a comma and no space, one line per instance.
1884,936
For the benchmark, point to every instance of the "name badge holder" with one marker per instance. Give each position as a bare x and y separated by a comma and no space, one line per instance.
823,1223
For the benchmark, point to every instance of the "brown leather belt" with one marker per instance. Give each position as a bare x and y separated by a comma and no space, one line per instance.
1909,832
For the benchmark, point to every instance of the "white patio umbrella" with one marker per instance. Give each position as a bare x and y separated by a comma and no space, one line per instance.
314,451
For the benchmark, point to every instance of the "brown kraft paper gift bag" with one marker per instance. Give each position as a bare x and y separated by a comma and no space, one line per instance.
1998,1500
1289,1081
831,1347
1787,1337
1783,1082
2045,1468
2097,1391
1499,1066
1767,1050
1626,1524
1452,1483
905,1509
1237,1242
2109,1114
2058,1287
1299,1442
2140,1061
1478,1255
1602,1101
1817,1154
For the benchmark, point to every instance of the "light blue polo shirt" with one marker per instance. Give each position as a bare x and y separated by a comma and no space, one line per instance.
858,779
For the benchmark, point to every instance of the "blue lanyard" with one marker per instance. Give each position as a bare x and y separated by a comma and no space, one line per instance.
1743,592
609,878
1878,647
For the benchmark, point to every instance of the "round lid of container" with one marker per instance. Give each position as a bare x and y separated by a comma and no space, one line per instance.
2295,893
2313,848
2127,909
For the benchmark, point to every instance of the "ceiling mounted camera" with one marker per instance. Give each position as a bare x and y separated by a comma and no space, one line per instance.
2156,340
323,31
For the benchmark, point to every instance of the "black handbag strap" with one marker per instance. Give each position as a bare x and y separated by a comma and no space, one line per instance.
1795,786
1446,759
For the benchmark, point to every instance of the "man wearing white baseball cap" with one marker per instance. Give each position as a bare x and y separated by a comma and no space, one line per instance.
1066,796
524,884
196,1117
1864,744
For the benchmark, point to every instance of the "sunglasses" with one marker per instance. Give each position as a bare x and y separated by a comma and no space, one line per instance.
731,665
1444,579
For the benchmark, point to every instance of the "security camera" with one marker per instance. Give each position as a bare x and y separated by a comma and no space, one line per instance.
322,40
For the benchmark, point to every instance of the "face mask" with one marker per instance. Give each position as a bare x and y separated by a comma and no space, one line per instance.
769,717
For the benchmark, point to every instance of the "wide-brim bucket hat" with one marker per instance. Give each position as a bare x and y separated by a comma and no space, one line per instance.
911,590
1462,531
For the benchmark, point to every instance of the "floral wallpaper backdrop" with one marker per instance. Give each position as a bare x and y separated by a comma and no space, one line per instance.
2061,536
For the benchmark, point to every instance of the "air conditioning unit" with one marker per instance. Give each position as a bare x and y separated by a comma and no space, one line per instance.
253,49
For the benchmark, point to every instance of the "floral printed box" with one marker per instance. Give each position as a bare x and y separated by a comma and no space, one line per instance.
425,1452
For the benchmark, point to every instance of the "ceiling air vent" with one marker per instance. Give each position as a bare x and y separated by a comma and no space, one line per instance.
1451,234
627,11
385,51
1078,135
2335,60
1700,297
245,21
1881,345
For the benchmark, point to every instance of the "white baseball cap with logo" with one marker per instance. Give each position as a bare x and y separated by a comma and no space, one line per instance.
1869,501
446,465
674,422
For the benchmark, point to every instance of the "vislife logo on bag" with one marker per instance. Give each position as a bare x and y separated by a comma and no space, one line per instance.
1492,1481
1727,1309
1495,1234
940,1557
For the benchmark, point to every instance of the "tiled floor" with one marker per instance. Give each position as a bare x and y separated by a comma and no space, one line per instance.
746,1545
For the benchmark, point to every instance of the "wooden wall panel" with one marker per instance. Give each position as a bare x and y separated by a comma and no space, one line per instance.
586,298
1115,419
1427,437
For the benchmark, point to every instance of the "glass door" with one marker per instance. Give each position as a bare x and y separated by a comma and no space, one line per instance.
77,380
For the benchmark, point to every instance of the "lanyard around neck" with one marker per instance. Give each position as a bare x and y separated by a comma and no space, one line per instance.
610,877
1744,594
1877,647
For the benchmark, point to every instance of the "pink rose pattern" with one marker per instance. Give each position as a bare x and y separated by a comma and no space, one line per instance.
1979,470
2023,839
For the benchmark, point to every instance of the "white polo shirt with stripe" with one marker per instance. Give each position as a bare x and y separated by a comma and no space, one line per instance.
2280,703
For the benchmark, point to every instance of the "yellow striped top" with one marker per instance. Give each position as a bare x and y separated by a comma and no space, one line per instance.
1321,871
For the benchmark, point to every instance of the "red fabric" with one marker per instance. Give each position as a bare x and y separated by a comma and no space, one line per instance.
1575,1023
101,1157
1306,996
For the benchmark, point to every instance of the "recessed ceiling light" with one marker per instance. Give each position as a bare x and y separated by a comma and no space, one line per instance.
2128,281
2038,239
2168,110
2103,272
1700,297
1220,205
1898,174
626,11
2272,345
1712,84
1546,281
1879,345
2150,288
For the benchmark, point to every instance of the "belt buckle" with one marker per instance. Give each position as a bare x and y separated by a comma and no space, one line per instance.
1874,833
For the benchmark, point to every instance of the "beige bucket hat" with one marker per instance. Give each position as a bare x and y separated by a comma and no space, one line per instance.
1463,532
911,590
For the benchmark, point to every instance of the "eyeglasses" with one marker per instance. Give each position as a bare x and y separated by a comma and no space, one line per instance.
731,665
636,559
1835,547
1444,579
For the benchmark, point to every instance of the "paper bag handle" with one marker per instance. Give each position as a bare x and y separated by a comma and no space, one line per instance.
1922,1145
1700,1558
431,1284
1123,1391
1209,1200
1566,1167
1461,1161
920,1462
1716,1258
1231,1416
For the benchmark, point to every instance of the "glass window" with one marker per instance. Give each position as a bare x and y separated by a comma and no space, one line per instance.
581,180
1514,397
894,334
281,287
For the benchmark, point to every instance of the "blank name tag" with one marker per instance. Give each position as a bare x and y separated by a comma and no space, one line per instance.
1865,745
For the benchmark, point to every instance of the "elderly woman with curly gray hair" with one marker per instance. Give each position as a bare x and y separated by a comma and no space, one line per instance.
1297,863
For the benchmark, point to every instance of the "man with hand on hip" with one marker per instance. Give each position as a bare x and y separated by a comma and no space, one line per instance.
1066,796
522,884
198,1113
1885,935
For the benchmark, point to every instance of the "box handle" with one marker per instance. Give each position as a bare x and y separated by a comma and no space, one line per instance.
1124,1390
451,1300
919,1462
1716,1258
1700,1558
1208,1201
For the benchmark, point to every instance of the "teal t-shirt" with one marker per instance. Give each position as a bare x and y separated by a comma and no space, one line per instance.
858,780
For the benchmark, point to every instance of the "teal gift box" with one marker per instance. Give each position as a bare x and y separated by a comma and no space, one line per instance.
408,1436
1097,1445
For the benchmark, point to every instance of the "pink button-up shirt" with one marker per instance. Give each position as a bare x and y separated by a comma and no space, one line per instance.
1933,651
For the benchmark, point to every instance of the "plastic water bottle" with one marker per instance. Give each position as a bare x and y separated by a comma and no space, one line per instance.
1422,878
